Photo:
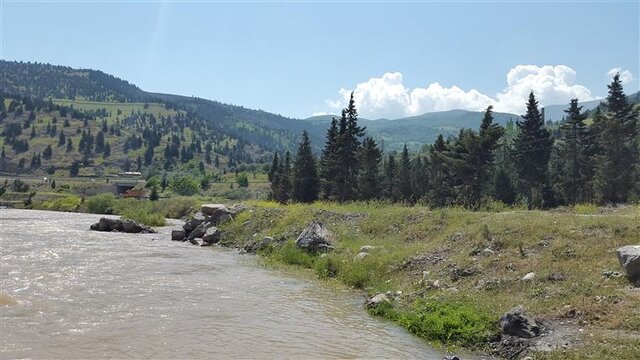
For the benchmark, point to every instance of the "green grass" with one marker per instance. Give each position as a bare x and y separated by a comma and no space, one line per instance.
576,244
151,213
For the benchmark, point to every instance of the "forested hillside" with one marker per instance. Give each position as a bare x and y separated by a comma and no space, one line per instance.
58,120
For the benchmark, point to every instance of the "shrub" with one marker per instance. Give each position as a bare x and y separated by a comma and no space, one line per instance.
67,203
149,219
290,254
448,323
327,266
100,204
20,186
185,185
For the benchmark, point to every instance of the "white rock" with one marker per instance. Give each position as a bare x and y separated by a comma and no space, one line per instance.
529,277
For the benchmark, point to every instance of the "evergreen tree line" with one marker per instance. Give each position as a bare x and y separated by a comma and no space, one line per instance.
537,167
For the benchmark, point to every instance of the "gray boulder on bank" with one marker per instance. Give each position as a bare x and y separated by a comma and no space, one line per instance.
516,323
314,237
629,257
212,235
121,225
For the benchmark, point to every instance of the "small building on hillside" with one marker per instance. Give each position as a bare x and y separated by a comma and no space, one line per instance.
127,181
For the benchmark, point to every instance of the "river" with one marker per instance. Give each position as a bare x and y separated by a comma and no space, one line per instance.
68,292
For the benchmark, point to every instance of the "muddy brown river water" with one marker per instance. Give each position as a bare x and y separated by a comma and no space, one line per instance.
68,292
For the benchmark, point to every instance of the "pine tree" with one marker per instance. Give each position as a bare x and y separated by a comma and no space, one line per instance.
69,145
532,149
490,136
441,186
617,160
99,142
283,192
419,178
405,192
329,165
153,196
348,148
504,190
369,176
390,180
570,165
464,166
61,138
107,150
74,169
47,152
306,184
274,167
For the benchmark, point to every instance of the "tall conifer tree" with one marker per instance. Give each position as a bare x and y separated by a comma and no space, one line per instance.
616,172
306,184
532,149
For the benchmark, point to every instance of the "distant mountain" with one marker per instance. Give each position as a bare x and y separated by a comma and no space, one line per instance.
556,112
416,131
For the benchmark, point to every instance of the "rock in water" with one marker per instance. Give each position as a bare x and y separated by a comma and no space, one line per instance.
314,237
629,257
121,225
198,232
516,323
178,235
192,223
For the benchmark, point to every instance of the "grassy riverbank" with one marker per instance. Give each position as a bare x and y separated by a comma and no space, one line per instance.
151,213
454,272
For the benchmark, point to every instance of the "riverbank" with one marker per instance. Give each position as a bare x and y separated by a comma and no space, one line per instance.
453,273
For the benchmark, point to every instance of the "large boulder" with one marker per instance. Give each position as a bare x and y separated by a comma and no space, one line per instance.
198,232
121,225
629,257
314,237
217,213
178,235
212,235
516,323
195,220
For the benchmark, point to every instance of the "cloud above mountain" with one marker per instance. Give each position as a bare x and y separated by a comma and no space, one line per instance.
388,97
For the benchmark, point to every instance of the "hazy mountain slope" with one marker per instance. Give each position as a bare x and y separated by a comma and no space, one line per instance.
556,112
416,131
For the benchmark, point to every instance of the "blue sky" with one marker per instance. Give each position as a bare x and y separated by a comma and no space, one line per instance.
298,59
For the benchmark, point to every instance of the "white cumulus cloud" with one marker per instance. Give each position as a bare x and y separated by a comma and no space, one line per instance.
550,84
625,75
388,97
